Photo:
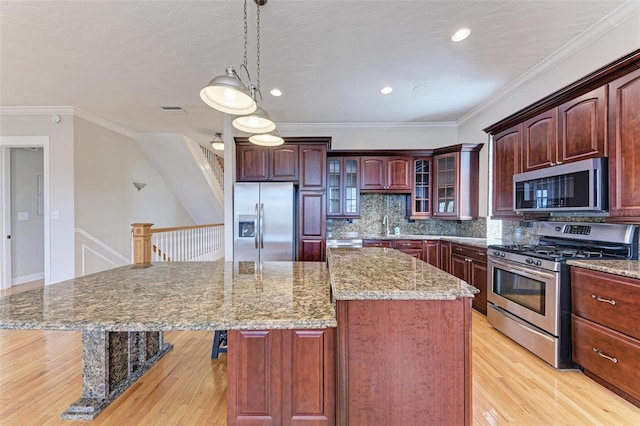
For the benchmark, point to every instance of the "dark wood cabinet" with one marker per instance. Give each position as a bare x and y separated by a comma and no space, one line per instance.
456,183
445,256
386,174
377,243
281,377
606,329
507,162
410,247
311,226
624,149
404,362
343,187
582,126
470,264
257,163
431,252
421,188
313,167
540,141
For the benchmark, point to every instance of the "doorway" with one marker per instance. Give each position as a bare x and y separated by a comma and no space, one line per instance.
24,210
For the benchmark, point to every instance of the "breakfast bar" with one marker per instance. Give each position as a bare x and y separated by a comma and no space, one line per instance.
376,334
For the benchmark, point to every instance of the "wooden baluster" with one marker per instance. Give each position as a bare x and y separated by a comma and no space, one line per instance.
141,242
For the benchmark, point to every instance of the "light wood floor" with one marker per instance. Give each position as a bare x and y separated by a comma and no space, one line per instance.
40,375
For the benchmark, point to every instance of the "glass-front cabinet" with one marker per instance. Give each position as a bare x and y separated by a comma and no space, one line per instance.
343,193
421,199
445,185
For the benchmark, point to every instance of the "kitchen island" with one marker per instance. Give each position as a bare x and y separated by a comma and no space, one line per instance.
284,337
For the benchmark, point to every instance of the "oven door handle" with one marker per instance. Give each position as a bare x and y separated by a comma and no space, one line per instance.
516,270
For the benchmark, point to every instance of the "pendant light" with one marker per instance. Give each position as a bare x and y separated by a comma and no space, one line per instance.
217,143
267,139
226,92
259,120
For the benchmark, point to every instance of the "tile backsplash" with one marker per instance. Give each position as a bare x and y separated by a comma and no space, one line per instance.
374,206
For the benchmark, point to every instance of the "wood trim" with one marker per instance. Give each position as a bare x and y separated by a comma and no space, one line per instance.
589,82
406,152
184,228
293,140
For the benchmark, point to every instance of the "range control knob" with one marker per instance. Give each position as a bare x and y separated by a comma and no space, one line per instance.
496,253
537,263
502,254
529,260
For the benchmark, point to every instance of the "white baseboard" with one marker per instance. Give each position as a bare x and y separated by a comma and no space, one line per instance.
27,278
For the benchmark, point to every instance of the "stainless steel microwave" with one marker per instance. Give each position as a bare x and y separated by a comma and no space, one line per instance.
571,187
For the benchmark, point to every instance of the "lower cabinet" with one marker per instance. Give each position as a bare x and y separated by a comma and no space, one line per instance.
410,247
281,377
470,264
606,329
445,256
431,252
377,243
312,226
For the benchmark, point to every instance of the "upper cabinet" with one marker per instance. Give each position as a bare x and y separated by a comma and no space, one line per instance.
313,167
455,182
624,153
343,191
507,162
539,142
421,188
258,163
388,174
582,127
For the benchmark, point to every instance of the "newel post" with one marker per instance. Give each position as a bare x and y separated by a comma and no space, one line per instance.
141,233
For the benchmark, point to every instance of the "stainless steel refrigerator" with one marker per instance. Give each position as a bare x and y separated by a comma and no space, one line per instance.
264,221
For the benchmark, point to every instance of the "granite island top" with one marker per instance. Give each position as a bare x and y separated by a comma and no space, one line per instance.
472,241
180,296
386,274
626,268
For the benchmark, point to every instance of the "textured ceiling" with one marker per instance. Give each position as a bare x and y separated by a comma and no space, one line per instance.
122,60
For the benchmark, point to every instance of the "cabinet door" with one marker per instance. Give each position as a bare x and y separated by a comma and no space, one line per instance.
309,377
624,148
445,256
398,174
539,143
431,252
459,267
312,220
313,167
334,186
478,279
252,164
421,194
351,188
446,184
254,369
582,126
284,163
373,173
506,163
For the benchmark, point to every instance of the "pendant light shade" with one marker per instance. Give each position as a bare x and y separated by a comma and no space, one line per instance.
267,139
228,94
256,122
217,143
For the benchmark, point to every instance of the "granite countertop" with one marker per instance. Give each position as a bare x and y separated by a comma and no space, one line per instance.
472,241
387,274
180,296
626,268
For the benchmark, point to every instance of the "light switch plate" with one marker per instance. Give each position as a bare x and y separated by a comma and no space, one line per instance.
55,215
23,215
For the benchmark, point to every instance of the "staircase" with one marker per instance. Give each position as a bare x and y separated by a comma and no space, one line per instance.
191,170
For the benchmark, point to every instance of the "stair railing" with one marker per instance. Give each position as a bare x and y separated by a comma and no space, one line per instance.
216,163
177,244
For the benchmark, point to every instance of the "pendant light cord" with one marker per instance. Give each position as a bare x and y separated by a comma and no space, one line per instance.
258,45
245,34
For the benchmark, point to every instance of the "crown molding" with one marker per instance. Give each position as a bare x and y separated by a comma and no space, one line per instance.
377,125
76,112
597,30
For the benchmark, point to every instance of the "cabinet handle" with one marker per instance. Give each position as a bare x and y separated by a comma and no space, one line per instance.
558,163
603,355
600,299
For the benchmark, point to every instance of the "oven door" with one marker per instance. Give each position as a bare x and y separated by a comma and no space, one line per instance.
526,292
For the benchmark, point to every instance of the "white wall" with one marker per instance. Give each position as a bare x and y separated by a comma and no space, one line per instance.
622,39
106,202
27,215
61,184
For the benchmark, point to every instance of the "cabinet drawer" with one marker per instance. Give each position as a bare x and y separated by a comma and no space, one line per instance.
611,300
377,243
592,342
469,252
408,244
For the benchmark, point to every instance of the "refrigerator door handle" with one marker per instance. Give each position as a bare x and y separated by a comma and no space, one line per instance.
256,223
261,225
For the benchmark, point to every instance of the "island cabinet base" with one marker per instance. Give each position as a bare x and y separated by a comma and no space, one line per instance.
111,362
281,377
404,362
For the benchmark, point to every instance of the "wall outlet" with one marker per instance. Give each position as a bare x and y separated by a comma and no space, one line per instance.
55,215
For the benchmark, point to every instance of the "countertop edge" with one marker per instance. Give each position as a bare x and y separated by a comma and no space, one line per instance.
624,268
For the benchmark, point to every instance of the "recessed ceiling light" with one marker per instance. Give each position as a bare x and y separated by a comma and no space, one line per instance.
461,34
386,90
419,89
276,92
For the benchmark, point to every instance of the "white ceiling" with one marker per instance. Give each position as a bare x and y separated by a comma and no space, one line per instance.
122,60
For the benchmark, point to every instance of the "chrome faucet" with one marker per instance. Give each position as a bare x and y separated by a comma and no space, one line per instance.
385,221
